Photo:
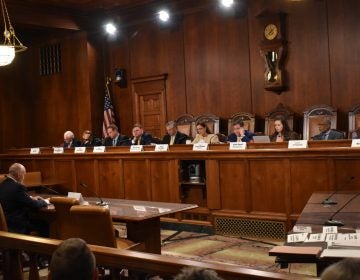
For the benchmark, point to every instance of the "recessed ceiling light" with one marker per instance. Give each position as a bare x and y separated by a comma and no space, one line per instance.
164,15
227,3
110,28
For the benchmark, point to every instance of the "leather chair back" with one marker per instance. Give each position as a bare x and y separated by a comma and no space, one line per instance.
62,226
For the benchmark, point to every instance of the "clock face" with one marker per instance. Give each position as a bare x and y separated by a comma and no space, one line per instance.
270,31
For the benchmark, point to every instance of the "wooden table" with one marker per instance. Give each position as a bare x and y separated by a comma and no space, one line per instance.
142,218
315,214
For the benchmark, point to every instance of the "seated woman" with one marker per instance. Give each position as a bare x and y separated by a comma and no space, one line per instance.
283,132
204,135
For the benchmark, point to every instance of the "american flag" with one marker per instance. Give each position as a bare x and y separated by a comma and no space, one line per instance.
109,115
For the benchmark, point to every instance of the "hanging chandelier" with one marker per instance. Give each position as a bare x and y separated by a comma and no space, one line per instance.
11,43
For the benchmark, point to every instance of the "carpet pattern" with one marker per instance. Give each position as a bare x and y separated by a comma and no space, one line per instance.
221,249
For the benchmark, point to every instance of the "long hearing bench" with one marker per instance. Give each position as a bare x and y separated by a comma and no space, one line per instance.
165,266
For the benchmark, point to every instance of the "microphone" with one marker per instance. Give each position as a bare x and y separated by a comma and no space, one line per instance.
331,222
101,202
51,190
328,201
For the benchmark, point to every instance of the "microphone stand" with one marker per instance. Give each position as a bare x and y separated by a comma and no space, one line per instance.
101,202
331,222
328,201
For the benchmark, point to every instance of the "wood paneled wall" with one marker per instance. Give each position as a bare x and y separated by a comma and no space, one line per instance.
213,64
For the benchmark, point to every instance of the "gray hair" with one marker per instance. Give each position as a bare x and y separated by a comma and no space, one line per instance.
171,124
69,134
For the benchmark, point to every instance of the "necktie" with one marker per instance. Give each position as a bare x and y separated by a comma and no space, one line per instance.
172,138
114,142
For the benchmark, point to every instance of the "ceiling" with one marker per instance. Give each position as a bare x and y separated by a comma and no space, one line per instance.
87,14
81,5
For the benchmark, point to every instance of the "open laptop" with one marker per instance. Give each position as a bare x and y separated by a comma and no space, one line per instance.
261,139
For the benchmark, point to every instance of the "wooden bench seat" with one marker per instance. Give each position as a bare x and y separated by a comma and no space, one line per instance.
164,266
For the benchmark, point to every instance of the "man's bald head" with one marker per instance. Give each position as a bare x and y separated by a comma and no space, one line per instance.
17,171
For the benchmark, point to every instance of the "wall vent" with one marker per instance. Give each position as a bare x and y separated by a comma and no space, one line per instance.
50,59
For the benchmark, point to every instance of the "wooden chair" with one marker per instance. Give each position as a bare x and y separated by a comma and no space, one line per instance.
94,225
212,122
316,114
185,124
62,226
280,111
354,122
11,265
354,134
247,118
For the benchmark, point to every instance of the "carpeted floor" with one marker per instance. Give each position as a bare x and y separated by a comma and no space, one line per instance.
222,249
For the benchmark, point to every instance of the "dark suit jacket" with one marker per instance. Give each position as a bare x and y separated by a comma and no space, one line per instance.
180,138
122,140
333,135
146,139
74,143
248,136
16,204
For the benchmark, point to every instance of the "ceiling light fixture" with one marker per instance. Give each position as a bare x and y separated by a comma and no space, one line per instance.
227,3
164,15
11,43
110,28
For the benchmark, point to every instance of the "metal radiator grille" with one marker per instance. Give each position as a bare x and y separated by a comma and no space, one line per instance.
250,228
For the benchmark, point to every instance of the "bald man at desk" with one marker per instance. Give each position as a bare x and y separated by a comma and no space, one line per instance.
17,204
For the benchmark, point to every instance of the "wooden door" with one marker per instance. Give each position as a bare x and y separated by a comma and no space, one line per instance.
150,103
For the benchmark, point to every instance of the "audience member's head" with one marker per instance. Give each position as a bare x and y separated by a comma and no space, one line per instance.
112,130
196,273
171,128
346,269
137,130
68,136
17,171
202,129
73,260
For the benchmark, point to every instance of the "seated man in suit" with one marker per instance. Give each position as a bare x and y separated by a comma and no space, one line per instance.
115,138
240,134
174,136
17,204
139,136
73,260
326,133
70,141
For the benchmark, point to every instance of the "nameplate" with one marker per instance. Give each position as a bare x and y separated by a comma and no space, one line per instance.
298,144
355,143
77,196
302,229
161,147
58,150
200,147
316,237
237,146
136,148
79,150
331,229
99,149
35,151
297,237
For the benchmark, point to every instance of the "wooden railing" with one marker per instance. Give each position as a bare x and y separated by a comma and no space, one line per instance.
165,266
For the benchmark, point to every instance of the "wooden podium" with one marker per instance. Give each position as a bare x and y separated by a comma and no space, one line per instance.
314,215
